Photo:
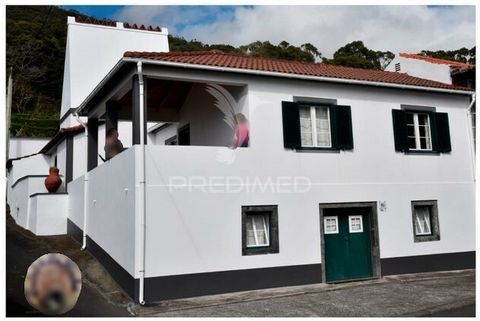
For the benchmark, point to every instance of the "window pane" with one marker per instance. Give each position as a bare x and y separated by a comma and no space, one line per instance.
422,119
411,143
411,130
331,225
260,227
422,220
250,232
305,126
323,127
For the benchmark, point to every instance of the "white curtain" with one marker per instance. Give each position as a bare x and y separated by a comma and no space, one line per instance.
305,126
323,127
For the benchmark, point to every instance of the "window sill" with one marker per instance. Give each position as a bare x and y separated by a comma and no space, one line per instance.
317,150
422,152
426,238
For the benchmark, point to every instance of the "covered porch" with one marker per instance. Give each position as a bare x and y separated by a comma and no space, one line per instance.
152,107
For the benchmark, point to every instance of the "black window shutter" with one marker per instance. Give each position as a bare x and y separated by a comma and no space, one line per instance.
342,130
400,130
442,133
291,125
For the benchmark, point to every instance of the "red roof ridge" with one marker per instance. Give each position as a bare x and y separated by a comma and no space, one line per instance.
245,62
439,61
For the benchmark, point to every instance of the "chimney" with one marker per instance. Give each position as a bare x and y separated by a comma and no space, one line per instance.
94,47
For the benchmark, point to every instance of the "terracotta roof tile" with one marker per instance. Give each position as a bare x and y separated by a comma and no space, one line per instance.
110,23
92,21
227,60
62,132
453,64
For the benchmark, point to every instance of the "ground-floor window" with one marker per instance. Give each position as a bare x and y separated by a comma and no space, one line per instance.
259,229
425,221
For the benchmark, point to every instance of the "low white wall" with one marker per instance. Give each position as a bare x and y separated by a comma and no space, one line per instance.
18,198
23,146
33,165
76,190
48,214
111,207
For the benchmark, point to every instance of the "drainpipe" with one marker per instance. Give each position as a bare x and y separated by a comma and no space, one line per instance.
85,188
141,174
471,132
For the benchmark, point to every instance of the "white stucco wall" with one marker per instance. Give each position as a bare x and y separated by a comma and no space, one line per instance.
206,230
93,50
207,125
48,214
23,146
422,69
111,207
159,137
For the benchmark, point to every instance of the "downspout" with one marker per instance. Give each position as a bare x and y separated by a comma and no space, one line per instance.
471,132
141,176
85,188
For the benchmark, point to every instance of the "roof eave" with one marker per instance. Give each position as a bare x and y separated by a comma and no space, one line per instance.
296,76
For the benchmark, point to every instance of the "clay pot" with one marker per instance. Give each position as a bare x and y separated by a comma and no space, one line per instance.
53,181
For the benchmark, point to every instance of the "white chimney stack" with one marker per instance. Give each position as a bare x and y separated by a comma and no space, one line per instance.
94,47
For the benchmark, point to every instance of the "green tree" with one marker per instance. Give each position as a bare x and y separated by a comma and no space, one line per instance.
356,54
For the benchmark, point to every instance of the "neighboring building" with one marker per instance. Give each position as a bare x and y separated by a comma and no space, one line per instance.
348,174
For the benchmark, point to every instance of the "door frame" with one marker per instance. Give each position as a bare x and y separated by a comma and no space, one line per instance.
374,239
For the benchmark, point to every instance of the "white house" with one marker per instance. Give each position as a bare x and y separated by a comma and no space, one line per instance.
347,174
429,68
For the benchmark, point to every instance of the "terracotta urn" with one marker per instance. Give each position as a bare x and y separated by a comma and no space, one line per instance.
53,181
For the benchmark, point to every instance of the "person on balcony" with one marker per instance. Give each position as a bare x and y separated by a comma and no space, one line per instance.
113,145
242,131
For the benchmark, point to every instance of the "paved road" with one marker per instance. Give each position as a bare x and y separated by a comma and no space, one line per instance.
447,295
22,249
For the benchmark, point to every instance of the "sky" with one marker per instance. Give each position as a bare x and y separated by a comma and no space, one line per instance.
395,28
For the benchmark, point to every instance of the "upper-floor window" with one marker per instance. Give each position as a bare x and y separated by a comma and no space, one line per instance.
421,130
418,131
317,126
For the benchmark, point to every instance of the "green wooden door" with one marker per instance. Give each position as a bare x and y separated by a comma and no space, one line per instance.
347,244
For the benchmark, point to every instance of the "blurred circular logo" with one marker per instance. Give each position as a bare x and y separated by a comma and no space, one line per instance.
53,284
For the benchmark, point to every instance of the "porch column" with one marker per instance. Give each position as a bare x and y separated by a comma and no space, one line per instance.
136,110
92,143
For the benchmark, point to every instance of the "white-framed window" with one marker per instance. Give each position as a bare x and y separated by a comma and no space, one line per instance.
419,131
422,220
355,223
330,224
258,230
315,126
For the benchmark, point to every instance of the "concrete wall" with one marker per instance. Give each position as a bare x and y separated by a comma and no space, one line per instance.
48,214
159,137
204,234
86,65
207,125
422,69
111,207
23,146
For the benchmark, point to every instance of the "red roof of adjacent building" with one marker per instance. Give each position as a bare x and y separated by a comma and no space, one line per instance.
62,132
453,64
227,60
110,23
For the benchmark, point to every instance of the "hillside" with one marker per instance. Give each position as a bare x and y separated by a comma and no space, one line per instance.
36,37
